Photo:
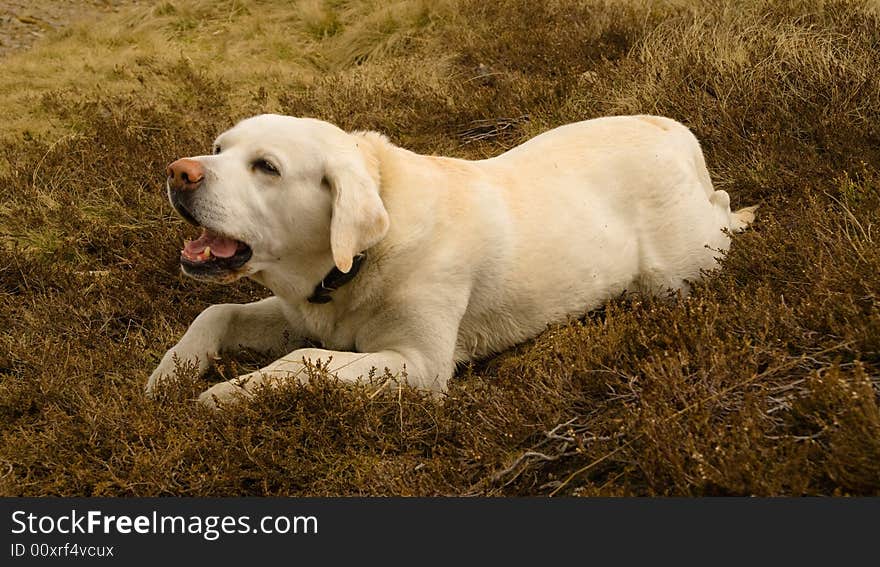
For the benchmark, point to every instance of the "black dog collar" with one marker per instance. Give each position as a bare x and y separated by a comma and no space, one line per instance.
335,279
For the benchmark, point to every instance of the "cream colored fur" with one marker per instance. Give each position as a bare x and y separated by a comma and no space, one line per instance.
464,258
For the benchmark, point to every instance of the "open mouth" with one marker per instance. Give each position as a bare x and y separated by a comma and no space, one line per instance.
213,254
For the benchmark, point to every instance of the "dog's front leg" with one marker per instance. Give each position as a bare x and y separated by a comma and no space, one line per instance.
347,366
415,340
259,326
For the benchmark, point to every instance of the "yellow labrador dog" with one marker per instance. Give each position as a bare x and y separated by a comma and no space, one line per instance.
411,263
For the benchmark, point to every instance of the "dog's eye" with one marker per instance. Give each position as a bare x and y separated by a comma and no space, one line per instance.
217,150
265,167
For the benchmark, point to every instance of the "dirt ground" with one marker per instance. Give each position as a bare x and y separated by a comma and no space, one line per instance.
24,22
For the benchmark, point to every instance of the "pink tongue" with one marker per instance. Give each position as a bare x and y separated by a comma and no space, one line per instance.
221,246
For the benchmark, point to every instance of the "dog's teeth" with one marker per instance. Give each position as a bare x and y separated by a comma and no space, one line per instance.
204,254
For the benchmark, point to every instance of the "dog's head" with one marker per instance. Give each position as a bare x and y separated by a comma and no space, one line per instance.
277,191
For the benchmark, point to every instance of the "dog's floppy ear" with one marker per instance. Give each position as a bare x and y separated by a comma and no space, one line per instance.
359,218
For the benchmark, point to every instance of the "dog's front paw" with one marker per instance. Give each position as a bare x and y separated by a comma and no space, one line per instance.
225,394
162,373
176,362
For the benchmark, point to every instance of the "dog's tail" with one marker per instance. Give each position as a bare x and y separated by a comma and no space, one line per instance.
741,219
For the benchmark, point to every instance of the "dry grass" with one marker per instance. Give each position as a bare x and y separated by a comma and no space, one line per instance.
764,382
252,47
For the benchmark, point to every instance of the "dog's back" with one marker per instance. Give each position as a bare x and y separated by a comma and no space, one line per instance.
594,209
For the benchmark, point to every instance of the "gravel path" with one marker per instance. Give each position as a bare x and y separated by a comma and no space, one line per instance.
22,22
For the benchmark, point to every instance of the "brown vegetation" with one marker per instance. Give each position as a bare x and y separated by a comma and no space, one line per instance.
765,381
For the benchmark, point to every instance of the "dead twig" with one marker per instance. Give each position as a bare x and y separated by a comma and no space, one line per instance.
490,128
